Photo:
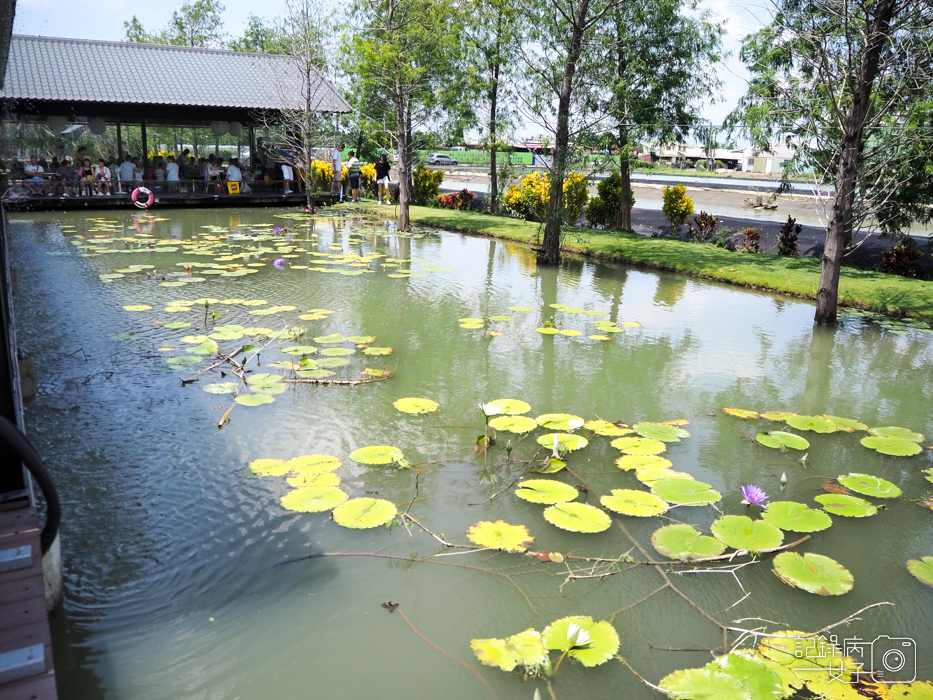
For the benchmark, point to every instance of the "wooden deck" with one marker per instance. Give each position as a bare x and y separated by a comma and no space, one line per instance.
23,618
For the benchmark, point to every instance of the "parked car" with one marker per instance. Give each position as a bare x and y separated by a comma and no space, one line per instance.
442,159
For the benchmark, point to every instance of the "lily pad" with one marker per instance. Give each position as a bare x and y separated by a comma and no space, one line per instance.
137,307
741,532
183,362
514,424
741,413
796,517
777,416
314,499
893,431
869,485
377,454
331,339
921,569
566,441
846,425
604,427
732,677
545,491
331,362
337,352
579,637
365,513
632,502
847,506
414,405
780,440
685,542
377,351
639,462
639,445
269,467
313,464
511,407
659,431
890,445
813,573
300,350
547,330
560,421
361,339
220,388
500,535
816,424
652,475
316,479
577,517
253,399
686,492
525,648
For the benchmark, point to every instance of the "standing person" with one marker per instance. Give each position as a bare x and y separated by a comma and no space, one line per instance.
171,174
336,163
382,178
288,172
353,174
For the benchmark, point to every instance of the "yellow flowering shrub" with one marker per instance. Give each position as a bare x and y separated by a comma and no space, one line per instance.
427,185
677,207
530,199
322,174
368,179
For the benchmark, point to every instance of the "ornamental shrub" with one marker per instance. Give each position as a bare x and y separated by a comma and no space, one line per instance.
530,199
752,236
456,200
322,174
900,259
368,180
702,227
678,207
427,185
604,208
515,203
787,237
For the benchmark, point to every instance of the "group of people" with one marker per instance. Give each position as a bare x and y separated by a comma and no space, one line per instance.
353,175
64,178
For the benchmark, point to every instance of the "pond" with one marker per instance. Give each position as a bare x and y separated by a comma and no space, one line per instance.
186,576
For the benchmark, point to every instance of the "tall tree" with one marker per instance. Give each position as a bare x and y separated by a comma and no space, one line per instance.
560,58
262,36
196,23
406,49
659,56
845,79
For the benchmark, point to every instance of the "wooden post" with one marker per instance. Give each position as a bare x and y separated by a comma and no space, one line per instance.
142,127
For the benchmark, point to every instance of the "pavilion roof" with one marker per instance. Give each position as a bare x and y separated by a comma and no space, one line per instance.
83,73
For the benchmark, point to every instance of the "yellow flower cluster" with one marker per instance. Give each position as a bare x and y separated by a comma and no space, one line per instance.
322,174
677,207
530,199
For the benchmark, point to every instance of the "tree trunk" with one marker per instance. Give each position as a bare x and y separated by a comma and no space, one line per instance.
493,125
404,178
624,215
839,230
549,253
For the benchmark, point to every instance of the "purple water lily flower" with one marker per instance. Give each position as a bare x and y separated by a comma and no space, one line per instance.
276,230
754,495
279,262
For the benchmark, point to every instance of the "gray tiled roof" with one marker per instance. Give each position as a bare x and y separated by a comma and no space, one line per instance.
77,70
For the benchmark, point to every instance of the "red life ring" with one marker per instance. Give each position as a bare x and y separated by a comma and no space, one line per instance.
142,197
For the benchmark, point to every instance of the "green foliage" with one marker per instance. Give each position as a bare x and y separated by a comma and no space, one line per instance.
750,240
196,23
677,207
787,237
702,227
530,200
603,209
427,185
900,259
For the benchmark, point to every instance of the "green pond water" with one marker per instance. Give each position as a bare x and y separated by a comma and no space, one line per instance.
174,553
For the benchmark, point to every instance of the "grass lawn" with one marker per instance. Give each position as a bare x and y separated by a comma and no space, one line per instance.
799,277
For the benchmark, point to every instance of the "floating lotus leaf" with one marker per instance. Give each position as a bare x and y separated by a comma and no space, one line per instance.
377,454
579,637
685,542
310,317
640,462
500,318
889,445
313,499
364,513
526,648
817,424
811,658
554,465
846,425
813,573
175,325
500,535
468,326
331,339
687,492
226,335
571,333
137,307
220,388
639,445
869,485
208,347
337,352
599,337
300,350
257,330
514,424
313,464
548,330
577,517
414,405
921,569
741,532
741,413
558,306
269,467
567,441
848,506
269,388
262,379
659,431
373,372
796,517
729,677
332,362
511,407
253,399
545,491
928,474
314,373
184,361
314,479
377,351
777,416
604,427
632,502
362,339
193,339
650,476
893,431
560,421
780,440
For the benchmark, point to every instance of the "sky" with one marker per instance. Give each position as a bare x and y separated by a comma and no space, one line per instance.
103,19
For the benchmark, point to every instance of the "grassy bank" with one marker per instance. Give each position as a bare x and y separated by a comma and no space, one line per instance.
799,277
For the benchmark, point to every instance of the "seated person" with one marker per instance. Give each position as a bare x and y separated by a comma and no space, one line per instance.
128,173
66,178
34,179
103,177
86,178
158,170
